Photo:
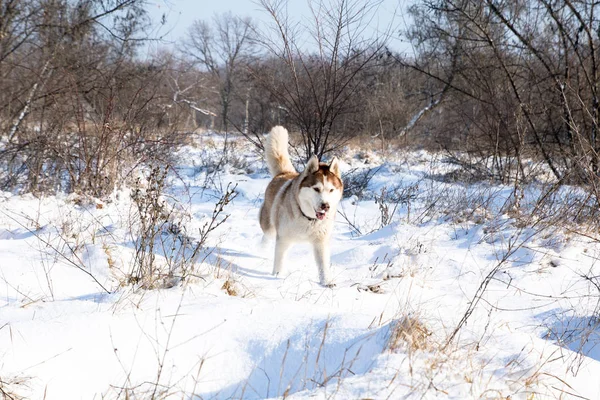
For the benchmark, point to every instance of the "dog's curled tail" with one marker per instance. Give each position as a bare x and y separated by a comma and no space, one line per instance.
276,151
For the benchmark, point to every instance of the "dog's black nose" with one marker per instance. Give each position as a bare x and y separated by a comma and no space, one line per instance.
325,207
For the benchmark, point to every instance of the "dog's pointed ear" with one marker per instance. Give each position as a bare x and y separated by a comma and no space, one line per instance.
334,166
312,166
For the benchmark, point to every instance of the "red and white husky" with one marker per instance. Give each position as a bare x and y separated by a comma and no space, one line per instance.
299,207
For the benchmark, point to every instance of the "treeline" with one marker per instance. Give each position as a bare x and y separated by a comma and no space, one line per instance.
77,107
518,79
495,84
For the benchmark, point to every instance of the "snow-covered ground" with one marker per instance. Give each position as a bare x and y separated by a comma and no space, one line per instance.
72,328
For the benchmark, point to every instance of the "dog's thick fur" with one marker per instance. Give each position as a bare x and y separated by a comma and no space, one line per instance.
299,207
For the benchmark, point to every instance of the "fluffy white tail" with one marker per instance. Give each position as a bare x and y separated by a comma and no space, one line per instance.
276,151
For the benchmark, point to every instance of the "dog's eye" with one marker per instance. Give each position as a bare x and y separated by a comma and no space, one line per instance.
317,190
330,190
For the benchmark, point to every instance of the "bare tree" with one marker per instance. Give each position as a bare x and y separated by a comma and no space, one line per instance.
324,64
192,90
222,48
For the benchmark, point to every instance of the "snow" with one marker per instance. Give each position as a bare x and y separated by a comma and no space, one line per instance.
71,327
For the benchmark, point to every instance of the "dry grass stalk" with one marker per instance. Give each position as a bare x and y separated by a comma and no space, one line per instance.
9,388
230,288
410,333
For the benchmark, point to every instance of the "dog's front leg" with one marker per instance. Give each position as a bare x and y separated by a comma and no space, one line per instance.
281,247
322,257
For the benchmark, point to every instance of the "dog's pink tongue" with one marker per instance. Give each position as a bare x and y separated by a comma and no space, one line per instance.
321,216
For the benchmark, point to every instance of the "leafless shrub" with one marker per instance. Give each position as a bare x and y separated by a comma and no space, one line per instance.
457,203
356,182
197,249
386,209
165,253
153,215
351,220
389,200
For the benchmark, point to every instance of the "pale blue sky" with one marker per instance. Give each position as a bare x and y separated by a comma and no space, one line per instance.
181,13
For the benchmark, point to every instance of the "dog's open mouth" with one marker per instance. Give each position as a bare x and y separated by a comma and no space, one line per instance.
321,215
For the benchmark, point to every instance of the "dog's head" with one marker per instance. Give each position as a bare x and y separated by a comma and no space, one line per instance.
320,188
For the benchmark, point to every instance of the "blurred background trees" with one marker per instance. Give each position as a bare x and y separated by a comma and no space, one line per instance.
523,79
75,102
493,84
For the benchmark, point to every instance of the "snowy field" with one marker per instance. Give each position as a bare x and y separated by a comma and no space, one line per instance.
410,268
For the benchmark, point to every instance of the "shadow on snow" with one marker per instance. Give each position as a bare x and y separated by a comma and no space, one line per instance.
578,334
320,355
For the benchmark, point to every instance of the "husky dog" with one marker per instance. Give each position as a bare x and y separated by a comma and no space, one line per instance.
299,207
